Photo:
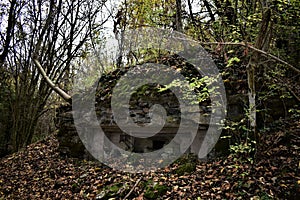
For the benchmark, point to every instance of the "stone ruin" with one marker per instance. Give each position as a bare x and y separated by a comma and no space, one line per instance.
140,103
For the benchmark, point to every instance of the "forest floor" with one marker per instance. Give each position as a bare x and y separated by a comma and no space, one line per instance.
38,172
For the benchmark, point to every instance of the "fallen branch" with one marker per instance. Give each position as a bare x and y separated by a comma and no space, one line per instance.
129,193
254,49
58,90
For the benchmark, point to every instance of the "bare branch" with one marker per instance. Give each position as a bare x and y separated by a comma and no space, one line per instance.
58,90
129,193
254,49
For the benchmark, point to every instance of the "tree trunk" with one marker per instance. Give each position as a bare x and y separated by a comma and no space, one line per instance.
262,43
252,93
24,113
9,31
179,26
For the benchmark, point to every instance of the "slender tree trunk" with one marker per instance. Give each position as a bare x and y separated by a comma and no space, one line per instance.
179,25
207,5
9,31
252,92
191,12
24,113
262,43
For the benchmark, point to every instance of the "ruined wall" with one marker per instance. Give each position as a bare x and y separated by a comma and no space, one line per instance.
71,145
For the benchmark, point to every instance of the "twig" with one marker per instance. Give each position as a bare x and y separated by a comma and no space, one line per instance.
286,84
293,93
129,193
254,49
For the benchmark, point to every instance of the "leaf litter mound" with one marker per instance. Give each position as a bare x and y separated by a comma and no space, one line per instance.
38,172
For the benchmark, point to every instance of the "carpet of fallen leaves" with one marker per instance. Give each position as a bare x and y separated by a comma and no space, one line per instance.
38,172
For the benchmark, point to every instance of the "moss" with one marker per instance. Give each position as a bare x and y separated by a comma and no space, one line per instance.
154,190
186,164
186,168
161,189
115,190
186,158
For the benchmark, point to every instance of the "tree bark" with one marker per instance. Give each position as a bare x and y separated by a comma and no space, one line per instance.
179,26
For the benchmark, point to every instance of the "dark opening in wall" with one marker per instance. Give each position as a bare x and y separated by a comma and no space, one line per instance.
158,144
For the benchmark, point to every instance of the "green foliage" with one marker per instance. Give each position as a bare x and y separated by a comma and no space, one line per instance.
233,60
196,85
242,146
295,112
139,13
243,151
